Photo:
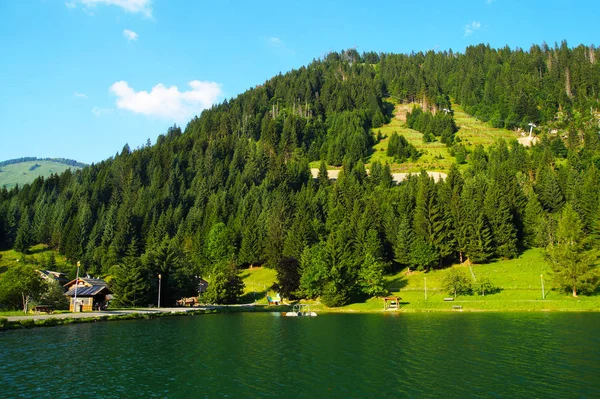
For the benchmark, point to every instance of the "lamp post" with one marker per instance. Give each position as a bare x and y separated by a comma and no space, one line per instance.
76,284
543,292
159,281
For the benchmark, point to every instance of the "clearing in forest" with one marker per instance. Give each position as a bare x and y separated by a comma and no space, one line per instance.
435,156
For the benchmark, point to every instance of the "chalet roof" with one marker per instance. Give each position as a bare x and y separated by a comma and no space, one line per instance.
88,291
87,282
95,281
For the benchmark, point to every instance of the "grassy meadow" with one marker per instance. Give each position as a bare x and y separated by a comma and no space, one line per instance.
435,156
36,256
20,173
518,282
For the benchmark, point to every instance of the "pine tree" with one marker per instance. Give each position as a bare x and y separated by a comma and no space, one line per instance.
404,239
548,190
373,267
501,221
423,254
479,247
323,175
130,280
532,220
23,240
573,263
387,180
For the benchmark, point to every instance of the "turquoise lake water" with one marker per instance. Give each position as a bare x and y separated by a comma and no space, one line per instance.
458,355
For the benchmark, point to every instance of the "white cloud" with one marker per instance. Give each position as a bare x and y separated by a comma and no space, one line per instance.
471,28
132,6
278,43
130,35
167,102
275,41
80,95
97,111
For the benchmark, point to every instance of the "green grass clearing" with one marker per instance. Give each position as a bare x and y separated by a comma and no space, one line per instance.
258,282
435,156
518,279
20,173
35,257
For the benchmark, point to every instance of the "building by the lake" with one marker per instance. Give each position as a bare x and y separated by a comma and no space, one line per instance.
91,293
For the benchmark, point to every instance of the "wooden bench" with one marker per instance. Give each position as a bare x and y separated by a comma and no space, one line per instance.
457,307
276,300
43,309
448,299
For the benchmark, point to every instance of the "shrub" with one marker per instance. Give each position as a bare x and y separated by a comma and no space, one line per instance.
27,323
3,323
485,286
456,282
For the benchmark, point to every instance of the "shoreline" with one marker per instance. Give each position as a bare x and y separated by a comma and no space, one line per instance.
51,320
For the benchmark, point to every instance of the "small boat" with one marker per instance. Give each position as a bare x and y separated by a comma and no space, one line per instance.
300,310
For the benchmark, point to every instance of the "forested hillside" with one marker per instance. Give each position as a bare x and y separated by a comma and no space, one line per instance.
234,188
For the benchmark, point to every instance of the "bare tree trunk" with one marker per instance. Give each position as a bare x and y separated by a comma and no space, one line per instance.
25,302
568,82
574,292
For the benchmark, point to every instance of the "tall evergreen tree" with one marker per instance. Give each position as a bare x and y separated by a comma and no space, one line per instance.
573,263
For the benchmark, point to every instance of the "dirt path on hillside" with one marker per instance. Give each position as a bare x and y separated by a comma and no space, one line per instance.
333,174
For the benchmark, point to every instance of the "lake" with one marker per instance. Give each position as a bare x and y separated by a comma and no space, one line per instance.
264,355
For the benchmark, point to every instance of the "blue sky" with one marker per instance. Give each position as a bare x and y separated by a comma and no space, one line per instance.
80,78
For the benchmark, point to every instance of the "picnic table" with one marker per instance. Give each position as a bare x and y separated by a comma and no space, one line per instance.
43,309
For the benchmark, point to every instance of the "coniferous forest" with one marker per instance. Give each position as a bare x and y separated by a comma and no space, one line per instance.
234,187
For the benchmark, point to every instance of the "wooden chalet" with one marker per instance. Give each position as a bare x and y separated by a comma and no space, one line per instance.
92,293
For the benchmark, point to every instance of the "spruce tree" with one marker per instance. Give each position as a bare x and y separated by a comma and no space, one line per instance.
130,280
573,262
480,245
548,190
24,239
532,221
501,221
404,240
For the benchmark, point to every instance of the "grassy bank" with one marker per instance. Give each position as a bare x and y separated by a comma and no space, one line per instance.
6,324
518,282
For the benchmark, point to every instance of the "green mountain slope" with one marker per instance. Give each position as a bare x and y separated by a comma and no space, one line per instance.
26,172
235,188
